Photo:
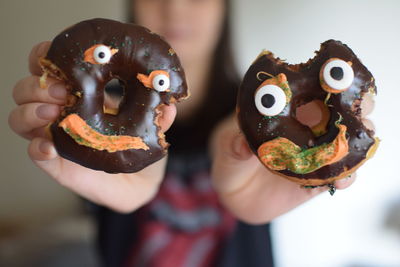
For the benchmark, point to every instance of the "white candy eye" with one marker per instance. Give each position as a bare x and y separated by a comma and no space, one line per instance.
336,75
161,82
102,54
270,100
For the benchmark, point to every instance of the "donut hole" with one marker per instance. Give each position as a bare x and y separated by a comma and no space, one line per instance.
114,93
315,115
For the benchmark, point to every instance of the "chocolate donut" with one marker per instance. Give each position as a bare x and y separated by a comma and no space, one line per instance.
86,57
272,90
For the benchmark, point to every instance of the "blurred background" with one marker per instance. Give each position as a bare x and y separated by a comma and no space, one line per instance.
42,224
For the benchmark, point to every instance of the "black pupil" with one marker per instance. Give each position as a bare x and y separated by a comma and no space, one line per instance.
337,73
161,82
102,55
268,100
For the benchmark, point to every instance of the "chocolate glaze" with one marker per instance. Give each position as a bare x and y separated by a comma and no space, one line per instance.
139,51
305,85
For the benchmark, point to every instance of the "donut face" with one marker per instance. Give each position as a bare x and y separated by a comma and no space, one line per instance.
269,96
86,57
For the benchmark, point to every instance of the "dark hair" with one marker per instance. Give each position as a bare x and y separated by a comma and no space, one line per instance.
220,98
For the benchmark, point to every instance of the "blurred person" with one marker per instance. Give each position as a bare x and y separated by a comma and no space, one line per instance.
210,201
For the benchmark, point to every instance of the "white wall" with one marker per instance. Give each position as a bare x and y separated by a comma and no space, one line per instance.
347,228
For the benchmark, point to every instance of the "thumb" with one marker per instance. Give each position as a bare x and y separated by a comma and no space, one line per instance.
44,155
41,149
234,163
228,142
239,149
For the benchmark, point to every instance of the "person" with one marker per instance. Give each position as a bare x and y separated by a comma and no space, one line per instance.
210,201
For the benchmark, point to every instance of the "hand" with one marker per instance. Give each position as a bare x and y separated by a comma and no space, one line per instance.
37,107
247,188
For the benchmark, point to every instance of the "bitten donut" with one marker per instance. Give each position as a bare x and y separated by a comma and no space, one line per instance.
272,90
116,139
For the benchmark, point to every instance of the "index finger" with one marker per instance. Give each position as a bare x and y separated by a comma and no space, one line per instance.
367,105
38,51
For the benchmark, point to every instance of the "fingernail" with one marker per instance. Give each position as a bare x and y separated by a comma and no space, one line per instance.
46,147
58,91
47,112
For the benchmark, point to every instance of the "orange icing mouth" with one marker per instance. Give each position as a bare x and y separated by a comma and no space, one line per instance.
281,154
83,134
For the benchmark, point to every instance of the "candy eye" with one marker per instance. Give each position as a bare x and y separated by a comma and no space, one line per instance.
270,100
99,54
157,80
161,82
102,54
336,75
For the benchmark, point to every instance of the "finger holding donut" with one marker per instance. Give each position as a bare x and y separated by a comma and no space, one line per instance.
42,98
36,107
38,51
